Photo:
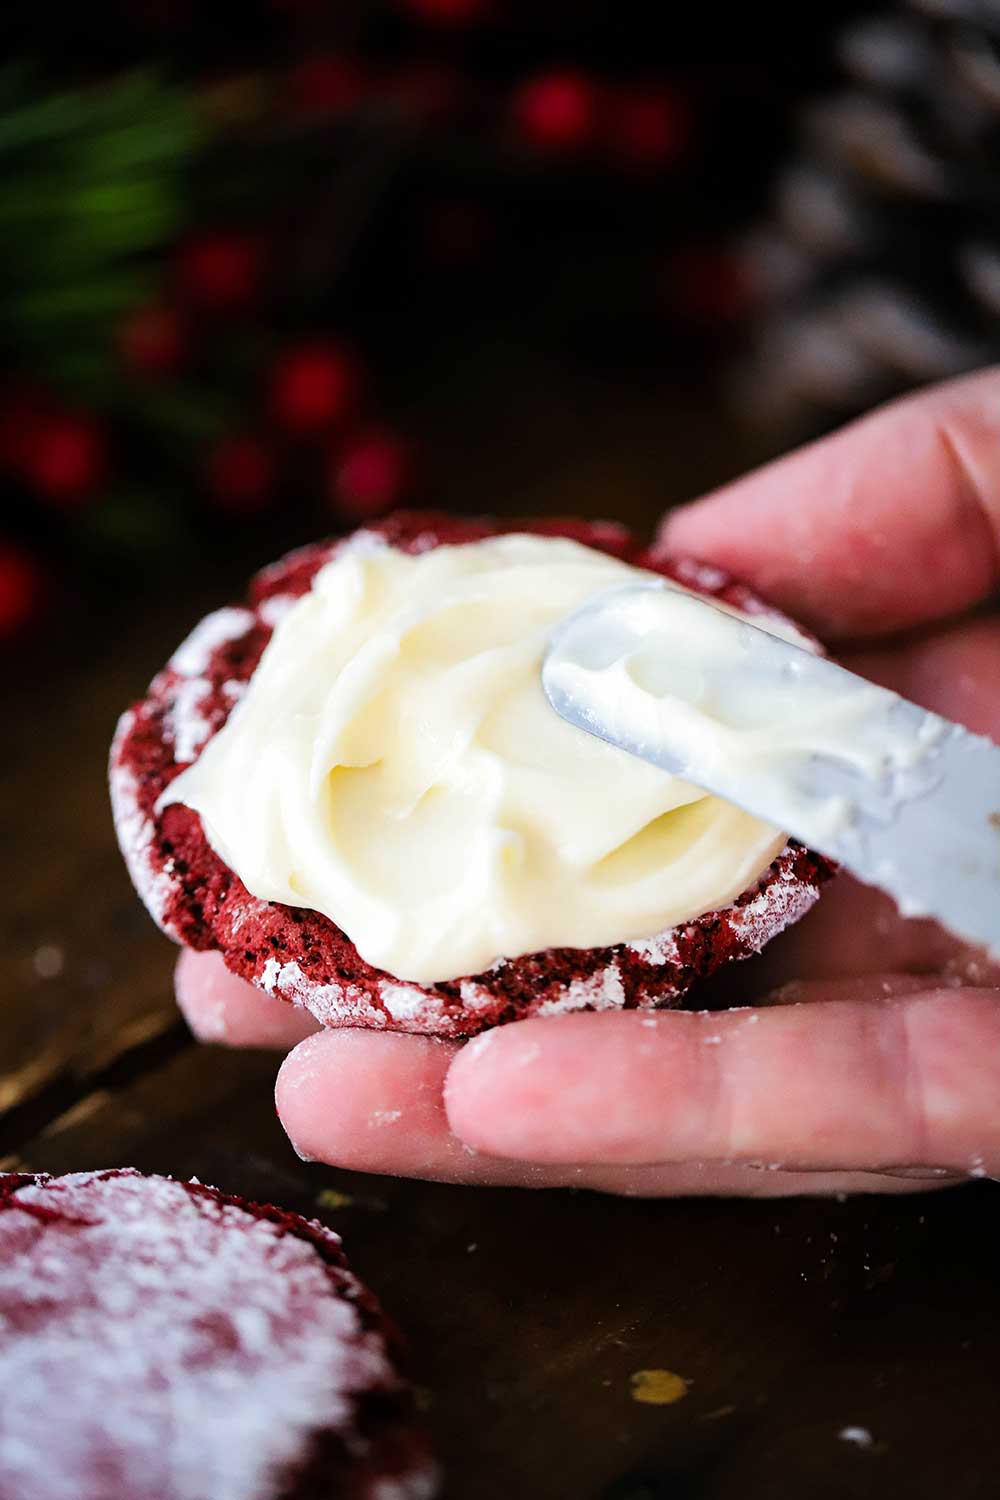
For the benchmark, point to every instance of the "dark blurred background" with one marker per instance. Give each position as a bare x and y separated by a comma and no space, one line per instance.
268,269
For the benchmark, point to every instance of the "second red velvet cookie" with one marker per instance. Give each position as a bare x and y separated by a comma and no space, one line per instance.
163,1341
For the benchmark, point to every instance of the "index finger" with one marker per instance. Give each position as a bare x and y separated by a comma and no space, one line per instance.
892,522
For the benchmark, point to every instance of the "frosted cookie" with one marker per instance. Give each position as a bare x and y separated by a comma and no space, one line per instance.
353,788
163,1339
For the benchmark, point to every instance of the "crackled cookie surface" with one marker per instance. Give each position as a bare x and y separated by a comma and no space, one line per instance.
162,1339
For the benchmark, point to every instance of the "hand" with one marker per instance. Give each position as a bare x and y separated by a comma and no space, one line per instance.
875,1064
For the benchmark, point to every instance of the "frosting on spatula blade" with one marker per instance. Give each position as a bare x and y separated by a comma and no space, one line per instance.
906,800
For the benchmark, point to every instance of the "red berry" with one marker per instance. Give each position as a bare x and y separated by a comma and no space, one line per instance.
325,85
241,472
447,12
68,459
314,387
23,591
556,111
221,271
369,475
649,128
152,340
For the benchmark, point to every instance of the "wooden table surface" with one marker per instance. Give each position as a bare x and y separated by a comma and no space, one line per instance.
527,1312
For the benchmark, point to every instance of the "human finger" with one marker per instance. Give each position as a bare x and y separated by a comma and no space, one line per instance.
853,1084
892,522
222,1008
374,1102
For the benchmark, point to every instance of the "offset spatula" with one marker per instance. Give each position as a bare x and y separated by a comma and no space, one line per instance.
905,800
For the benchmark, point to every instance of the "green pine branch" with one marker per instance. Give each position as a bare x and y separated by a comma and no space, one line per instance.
93,181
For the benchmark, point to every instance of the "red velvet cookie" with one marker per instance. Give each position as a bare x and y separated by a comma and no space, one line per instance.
300,955
161,1339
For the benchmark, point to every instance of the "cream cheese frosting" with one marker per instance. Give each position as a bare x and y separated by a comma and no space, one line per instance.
395,765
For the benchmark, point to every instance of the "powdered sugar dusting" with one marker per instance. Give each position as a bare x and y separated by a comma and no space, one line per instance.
184,719
136,832
405,1002
194,654
341,1005
250,910
700,575
332,1004
275,608
159,1341
424,541
269,975
601,991
661,949
778,904
476,996
664,966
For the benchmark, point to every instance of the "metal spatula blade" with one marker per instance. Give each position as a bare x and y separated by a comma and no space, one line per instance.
905,800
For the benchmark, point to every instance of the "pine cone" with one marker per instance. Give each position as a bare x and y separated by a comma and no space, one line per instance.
880,267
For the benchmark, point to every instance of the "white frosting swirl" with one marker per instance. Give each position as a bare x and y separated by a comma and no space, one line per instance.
394,764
